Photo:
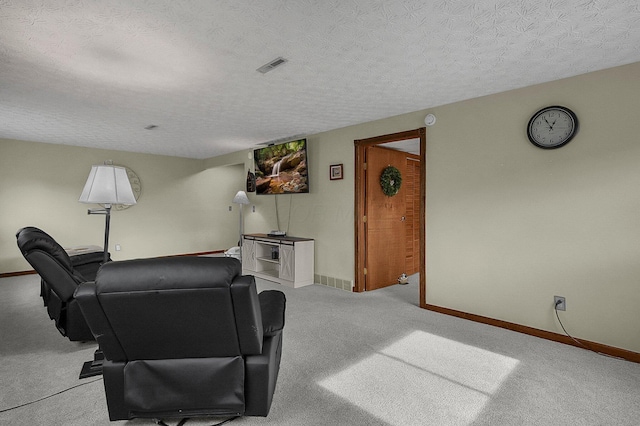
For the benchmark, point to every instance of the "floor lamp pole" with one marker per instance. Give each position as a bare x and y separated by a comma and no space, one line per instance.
107,212
241,231
241,198
107,220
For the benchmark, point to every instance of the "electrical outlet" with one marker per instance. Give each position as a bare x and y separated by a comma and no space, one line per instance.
253,208
118,248
559,303
230,208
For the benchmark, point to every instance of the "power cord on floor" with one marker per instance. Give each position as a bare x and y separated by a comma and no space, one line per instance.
183,421
579,343
49,396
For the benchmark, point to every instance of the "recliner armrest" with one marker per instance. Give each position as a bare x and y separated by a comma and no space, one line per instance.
86,258
100,327
87,264
272,306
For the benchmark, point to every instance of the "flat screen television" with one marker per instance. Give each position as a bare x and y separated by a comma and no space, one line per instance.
282,168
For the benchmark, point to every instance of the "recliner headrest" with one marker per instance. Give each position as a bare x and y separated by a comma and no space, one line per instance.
31,238
167,274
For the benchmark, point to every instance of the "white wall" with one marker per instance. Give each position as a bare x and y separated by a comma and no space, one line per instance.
508,225
183,207
326,213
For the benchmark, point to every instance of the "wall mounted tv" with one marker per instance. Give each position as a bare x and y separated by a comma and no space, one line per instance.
282,168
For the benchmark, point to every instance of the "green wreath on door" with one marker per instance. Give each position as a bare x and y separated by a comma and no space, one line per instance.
390,181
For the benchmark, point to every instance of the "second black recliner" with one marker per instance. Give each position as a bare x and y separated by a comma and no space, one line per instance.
60,276
184,337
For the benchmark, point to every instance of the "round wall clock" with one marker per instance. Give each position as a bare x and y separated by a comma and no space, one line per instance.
552,127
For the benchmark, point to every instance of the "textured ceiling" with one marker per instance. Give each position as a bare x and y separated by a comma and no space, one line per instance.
96,73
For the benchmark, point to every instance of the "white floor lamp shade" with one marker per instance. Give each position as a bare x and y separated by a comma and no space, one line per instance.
107,185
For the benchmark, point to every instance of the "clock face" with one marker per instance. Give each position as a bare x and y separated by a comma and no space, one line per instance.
552,127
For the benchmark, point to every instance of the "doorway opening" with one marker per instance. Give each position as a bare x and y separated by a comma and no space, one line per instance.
377,218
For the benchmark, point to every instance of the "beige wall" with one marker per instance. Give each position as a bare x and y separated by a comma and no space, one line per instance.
508,225
511,225
183,208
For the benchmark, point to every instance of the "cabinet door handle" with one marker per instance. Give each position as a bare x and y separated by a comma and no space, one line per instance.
403,218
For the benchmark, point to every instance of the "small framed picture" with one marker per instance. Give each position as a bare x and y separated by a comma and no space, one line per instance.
335,171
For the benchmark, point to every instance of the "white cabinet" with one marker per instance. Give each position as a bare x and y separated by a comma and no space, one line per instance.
285,260
248,254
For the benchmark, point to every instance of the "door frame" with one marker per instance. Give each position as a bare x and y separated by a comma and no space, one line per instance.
360,234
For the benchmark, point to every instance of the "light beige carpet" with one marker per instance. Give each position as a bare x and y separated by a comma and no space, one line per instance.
348,359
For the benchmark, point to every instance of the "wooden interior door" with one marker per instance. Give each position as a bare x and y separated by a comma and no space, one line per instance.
412,227
385,226
360,206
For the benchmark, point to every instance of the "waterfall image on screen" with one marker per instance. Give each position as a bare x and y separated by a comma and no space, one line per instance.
282,168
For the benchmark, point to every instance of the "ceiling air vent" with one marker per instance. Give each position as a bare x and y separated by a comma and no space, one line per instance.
271,65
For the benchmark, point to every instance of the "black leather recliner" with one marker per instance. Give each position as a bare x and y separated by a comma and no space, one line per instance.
184,337
60,276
